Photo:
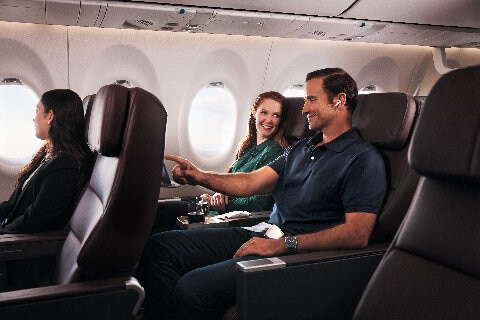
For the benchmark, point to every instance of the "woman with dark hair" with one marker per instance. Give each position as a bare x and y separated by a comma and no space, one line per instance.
264,142
48,186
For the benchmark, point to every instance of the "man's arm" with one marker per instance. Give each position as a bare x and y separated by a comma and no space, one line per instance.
240,184
352,234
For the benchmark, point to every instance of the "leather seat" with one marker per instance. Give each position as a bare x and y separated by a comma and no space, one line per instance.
432,269
87,110
387,120
113,218
328,284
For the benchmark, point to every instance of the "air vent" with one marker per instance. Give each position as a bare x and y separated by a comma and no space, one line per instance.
318,33
475,44
137,24
145,23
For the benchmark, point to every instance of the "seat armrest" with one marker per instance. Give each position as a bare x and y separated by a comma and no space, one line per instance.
24,246
307,258
326,284
114,298
28,259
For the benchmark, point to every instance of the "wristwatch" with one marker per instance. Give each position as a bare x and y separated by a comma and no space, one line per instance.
291,243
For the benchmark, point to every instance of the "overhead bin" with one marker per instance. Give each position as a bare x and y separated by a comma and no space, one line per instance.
452,13
156,16
324,8
22,11
379,21
62,12
147,16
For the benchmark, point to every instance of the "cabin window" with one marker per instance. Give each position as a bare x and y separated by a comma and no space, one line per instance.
296,90
125,83
212,120
17,130
371,88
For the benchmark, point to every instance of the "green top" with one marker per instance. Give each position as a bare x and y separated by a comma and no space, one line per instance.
255,157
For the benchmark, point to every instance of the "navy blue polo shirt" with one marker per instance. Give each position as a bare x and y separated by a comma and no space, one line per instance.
318,185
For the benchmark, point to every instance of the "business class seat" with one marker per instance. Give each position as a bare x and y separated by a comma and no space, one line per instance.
432,269
112,221
328,284
30,265
387,120
87,110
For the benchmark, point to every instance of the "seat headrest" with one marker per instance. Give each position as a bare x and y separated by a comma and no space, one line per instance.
385,119
87,103
297,123
87,111
446,141
107,119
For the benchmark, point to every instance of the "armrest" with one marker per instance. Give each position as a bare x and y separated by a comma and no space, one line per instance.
115,298
28,259
24,246
326,284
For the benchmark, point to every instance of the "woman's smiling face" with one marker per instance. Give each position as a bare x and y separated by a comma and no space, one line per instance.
267,118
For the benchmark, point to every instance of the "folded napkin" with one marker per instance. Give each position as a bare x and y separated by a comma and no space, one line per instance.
235,214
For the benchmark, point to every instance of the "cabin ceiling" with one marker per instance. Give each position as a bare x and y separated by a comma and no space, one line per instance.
436,23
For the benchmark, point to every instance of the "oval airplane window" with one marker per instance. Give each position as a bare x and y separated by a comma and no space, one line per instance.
371,88
296,90
17,130
212,121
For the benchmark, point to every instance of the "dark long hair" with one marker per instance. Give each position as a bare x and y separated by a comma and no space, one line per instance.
66,133
251,137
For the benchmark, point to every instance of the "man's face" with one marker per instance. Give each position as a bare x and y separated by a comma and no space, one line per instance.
320,112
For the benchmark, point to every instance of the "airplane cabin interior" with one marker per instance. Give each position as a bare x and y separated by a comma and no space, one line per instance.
146,68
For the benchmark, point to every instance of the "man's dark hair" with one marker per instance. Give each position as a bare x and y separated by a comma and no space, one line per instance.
335,81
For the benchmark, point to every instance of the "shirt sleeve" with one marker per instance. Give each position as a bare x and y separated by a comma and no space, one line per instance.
365,184
278,165
251,204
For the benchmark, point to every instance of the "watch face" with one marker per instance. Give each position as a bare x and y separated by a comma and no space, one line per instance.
291,243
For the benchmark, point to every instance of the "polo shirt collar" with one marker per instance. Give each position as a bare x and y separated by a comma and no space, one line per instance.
338,144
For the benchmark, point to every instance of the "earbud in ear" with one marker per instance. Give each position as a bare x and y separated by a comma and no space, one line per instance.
338,103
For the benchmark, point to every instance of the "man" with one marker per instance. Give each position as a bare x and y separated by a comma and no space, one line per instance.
327,191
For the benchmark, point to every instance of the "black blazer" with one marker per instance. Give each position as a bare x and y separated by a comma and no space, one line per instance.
47,202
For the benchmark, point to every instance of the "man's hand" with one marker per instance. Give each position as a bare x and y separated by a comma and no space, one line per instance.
184,172
262,247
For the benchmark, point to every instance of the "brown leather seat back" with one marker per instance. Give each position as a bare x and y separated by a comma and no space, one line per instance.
87,110
432,268
113,218
387,120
